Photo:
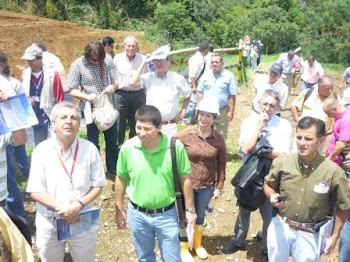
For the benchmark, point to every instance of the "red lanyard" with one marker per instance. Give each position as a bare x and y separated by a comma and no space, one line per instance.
70,175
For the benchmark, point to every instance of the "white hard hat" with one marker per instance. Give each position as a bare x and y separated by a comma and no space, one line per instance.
209,105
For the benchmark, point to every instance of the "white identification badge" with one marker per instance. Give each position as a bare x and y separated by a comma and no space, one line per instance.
321,188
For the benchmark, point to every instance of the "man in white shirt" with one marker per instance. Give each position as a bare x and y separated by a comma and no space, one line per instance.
288,62
66,176
271,81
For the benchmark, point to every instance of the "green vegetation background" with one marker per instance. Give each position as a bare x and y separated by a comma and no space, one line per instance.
322,28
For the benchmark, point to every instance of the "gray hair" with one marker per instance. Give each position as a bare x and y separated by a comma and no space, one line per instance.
218,55
64,104
131,38
271,93
325,79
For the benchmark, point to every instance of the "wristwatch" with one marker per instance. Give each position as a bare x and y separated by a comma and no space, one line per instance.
191,210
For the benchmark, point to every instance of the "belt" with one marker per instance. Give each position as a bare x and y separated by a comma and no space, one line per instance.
305,227
128,91
152,210
172,121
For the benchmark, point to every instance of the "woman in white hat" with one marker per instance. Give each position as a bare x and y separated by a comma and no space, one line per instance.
206,150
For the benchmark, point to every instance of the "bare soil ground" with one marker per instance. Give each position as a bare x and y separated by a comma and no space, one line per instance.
67,40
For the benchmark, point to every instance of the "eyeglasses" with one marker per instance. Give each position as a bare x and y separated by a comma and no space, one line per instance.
271,106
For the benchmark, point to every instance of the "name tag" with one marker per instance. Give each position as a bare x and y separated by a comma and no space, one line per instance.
321,188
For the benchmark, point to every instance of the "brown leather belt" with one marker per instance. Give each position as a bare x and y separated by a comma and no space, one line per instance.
305,227
172,121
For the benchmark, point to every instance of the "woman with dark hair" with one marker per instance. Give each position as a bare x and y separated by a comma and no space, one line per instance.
12,86
206,150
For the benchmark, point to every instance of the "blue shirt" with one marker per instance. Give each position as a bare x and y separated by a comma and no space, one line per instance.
221,86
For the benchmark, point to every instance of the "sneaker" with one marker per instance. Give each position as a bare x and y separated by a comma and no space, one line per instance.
232,248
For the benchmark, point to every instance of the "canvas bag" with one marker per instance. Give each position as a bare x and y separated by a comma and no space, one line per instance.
104,114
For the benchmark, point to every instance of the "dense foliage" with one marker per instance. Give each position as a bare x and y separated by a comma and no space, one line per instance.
320,27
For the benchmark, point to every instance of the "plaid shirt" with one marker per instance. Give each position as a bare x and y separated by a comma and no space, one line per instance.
90,77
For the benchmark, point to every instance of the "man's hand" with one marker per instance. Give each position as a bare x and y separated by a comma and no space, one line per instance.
263,119
70,213
191,218
216,194
229,116
3,96
91,97
120,219
331,244
274,201
110,89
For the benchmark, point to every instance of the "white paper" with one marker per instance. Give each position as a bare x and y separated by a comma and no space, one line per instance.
324,234
190,233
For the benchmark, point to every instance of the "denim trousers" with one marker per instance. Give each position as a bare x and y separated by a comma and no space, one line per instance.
127,103
243,223
14,199
190,115
41,133
283,240
344,244
146,227
201,199
305,85
111,138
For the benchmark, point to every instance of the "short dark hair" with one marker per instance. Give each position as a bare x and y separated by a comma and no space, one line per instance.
108,41
41,45
308,121
5,64
148,113
94,48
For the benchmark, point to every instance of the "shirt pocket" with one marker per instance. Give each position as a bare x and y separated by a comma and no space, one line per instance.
317,200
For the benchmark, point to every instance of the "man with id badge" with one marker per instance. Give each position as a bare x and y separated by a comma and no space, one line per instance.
309,182
66,176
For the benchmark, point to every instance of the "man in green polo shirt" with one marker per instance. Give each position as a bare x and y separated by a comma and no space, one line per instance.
144,172
309,182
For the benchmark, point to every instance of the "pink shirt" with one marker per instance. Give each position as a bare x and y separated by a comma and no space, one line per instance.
341,131
311,75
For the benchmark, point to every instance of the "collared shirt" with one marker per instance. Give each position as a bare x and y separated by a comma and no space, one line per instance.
47,174
221,86
262,84
311,75
127,69
341,132
195,65
313,106
90,77
151,181
309,189
279,128
207,157
288,65
346,75
163,93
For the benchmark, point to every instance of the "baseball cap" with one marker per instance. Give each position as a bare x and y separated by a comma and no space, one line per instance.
32,52
276,68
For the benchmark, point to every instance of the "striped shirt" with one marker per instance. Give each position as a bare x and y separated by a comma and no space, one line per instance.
4,140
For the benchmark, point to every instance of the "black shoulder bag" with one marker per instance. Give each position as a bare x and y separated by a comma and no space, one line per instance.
180,201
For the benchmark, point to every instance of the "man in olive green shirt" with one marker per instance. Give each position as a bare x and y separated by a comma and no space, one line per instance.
144,172
310,182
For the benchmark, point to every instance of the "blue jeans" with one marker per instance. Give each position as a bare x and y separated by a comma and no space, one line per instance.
344,245
111,138
201,199
14,200
41,133
145,227
191,110
305,85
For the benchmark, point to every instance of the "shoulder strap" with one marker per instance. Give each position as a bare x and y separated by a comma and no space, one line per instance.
308,94
174,167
